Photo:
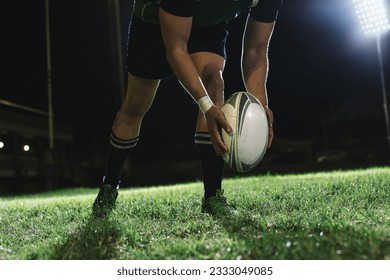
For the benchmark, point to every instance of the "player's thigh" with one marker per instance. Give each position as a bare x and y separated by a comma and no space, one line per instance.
146,64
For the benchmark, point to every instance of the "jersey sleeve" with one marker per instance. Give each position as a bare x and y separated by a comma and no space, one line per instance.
183,8
266,10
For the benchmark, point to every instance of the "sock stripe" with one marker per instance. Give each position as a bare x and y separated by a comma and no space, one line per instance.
123,144
202,138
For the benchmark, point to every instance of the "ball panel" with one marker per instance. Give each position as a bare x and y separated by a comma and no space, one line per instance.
252,141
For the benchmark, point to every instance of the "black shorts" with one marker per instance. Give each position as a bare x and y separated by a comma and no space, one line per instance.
146,51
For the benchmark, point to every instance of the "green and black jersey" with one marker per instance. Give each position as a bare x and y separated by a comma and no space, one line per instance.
207,12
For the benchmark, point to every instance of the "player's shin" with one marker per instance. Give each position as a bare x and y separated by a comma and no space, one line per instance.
212,164
118,153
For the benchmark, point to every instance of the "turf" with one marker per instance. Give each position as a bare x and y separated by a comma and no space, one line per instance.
329,215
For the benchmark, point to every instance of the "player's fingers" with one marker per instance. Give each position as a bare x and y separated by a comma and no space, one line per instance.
228,129
270,116
270,119
216,139
218,147
224,124
215,121
270,136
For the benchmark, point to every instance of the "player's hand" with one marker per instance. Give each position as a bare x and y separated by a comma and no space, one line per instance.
270,118
215,121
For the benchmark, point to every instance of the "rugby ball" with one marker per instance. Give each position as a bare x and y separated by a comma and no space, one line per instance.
247,117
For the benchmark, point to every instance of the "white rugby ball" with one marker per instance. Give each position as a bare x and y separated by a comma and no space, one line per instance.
248,119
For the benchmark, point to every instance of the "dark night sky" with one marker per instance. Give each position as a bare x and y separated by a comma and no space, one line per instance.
323,70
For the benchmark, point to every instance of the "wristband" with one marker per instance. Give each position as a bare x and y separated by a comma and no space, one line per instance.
205,103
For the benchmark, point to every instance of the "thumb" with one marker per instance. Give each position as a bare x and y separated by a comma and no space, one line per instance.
228,129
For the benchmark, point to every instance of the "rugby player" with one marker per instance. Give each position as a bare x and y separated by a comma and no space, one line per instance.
188,38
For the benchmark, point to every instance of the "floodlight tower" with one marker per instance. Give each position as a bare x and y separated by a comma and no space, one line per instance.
48,72
50,152
374,20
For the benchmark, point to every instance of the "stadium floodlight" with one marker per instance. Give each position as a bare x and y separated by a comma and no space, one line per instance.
372,16
374,19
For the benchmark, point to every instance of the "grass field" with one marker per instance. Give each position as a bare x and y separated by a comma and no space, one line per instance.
332,215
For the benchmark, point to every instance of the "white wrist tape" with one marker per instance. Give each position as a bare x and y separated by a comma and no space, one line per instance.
205,103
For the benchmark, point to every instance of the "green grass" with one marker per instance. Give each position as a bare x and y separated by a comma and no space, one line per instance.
332,215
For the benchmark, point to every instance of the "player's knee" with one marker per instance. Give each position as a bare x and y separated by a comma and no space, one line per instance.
139,98
131,115
136,111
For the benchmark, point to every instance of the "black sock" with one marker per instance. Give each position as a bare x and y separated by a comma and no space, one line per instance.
117,155
212,164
